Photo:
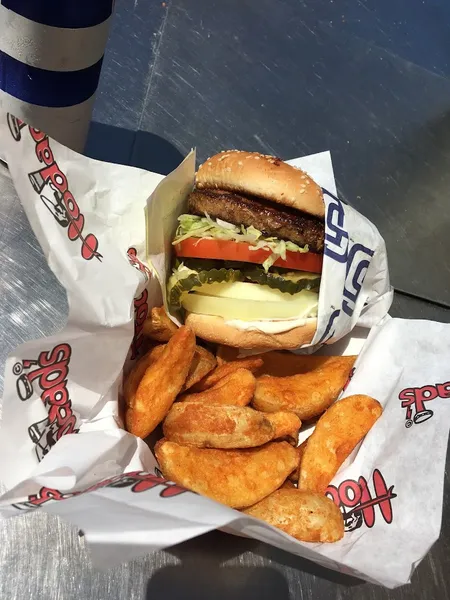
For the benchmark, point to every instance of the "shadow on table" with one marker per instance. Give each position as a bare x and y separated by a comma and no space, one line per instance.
136,148
193,581
202,574
306,566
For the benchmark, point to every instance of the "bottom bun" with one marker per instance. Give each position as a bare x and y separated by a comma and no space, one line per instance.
214,329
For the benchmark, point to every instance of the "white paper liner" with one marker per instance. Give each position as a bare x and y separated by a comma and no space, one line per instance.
102,479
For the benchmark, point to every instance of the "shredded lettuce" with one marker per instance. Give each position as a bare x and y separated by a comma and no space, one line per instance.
194,226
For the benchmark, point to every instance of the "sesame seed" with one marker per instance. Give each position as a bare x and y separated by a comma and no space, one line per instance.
308,181
228,169
240,163
302,191
257,157
209,164
303,177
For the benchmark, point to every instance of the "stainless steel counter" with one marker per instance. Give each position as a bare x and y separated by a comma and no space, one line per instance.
368,80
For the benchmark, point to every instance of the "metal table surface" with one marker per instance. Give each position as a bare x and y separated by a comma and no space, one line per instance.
367,80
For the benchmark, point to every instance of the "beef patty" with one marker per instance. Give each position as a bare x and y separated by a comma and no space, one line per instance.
272,219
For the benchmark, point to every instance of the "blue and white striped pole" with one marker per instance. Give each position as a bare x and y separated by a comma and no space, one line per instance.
51,54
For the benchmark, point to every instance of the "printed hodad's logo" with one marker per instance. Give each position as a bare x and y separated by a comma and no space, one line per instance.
50,372
414,398
140,304
138,481
358,503
52,186
336,238
356,257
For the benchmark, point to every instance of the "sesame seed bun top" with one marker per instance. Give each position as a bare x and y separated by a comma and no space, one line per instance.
263,176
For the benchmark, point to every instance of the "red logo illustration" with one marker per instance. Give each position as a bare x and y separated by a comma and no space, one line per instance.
140,314
53,188
413,399
140,305
50,371
138,264
358,504
350,377
138,481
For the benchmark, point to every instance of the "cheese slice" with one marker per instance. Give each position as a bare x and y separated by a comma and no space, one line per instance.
264,304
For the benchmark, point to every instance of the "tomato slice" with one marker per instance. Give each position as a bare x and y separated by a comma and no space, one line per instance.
241,251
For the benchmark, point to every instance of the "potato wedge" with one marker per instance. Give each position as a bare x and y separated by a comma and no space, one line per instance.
250,364
306,516
134,377
236,389
308,394
202,363
160,385
237,478
277,363
300,451
337,433
285,425
216,426
158,325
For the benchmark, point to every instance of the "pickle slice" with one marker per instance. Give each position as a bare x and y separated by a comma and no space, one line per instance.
182,281
289,283
193,273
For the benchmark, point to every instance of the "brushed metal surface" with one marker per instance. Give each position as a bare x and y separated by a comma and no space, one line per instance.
295,77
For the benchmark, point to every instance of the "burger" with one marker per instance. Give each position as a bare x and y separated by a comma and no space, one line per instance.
247,254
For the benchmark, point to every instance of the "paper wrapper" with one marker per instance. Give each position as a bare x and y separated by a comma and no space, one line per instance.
355,285
89,219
